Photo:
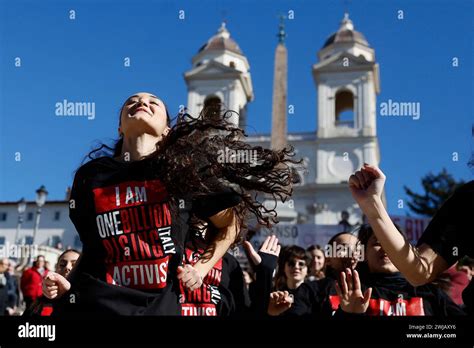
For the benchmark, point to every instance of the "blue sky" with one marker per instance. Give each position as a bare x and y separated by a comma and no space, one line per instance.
82,60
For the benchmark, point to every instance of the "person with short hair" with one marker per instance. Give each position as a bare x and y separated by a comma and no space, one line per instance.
293,268
319,298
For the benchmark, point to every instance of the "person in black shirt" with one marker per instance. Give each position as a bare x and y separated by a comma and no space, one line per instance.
4,264
319,298
381,290
293,266
132,207
448,237
223,292
13,289
264,263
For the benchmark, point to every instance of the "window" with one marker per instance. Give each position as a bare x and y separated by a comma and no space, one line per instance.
232,64
28,240
3,216
54,241
29,216
212,107
344,109
57,215
2,240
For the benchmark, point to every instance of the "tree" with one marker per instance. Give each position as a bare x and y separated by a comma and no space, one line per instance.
437,188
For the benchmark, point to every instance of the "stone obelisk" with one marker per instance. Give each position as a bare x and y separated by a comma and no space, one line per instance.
280,86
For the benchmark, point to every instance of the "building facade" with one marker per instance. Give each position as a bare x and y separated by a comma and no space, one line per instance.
346,78
54,226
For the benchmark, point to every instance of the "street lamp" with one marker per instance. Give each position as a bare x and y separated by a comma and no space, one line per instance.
41,195
21,210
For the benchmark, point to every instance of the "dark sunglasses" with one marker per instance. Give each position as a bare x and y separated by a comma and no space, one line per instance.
300,264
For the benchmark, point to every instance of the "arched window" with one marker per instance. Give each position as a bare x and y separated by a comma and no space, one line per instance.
344,109
212,107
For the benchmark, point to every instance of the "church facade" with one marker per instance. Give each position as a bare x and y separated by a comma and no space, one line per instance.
346,78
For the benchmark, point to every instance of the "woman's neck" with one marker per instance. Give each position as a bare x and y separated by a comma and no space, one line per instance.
135,148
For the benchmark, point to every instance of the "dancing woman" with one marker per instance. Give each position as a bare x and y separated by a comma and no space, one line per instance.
132,206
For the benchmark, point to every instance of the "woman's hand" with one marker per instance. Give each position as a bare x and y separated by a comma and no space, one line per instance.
269,246
228,229
366,186
55,285
190,277
280,301
350,293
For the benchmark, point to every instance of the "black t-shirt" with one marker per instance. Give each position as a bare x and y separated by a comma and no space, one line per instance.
133,238
314,298
392,295
223,292
451,231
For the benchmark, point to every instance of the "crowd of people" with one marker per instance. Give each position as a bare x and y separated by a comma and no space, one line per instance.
278,281
158,212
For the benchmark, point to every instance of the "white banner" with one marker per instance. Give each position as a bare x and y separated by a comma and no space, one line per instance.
305,235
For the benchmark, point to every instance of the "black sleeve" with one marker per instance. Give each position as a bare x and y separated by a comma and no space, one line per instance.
262,287
3,297
237,287
12,288
468,297
450,232
209,205
34,310
305,300
79,202
447,306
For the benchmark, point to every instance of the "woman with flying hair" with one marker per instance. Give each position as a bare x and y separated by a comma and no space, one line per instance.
132,206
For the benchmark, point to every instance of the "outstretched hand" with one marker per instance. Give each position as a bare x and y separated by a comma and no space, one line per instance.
270,246
280,301
350,294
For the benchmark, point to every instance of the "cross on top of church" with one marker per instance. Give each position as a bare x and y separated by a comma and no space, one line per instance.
281,30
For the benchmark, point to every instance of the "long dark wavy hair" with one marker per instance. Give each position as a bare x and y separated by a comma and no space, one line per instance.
191,162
